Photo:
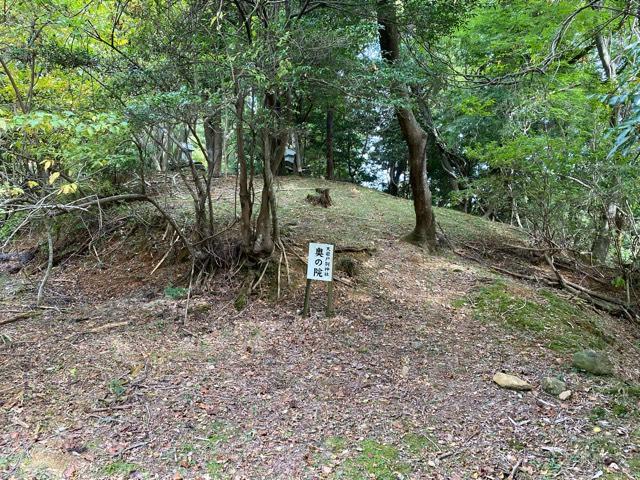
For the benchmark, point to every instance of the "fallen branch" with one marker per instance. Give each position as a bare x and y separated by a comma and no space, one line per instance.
21,316
350,249
47,272
604,302
128,197
522,276
512,475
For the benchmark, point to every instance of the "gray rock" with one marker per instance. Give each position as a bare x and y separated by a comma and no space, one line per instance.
594,362
566,395
511,382
553,385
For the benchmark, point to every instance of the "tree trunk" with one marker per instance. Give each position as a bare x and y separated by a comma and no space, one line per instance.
297,144
330,114
263,245
602,242
273,148
424,233
246,205
395,172
166,155
213,136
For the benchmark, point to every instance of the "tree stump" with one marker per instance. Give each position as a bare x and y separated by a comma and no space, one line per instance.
323,198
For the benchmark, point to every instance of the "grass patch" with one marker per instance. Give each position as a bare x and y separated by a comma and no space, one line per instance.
220,433
418,444
375,460
335,444
175,293
623,402
120,467
361,214
564,326
215,470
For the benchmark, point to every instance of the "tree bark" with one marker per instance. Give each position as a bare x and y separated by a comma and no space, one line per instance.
246,206
602,242
297,144
395,172
424,232
330,115
273,148
213,135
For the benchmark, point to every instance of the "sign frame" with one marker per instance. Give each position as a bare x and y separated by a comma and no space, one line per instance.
320,268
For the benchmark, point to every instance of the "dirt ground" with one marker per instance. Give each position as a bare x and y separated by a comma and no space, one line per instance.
112,381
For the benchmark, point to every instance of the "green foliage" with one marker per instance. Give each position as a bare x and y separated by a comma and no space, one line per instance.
8,226
176,293
117,387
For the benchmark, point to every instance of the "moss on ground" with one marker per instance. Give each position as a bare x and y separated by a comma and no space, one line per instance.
563,326
374,460
120,468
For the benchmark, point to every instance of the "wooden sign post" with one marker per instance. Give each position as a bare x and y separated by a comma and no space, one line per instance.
320,268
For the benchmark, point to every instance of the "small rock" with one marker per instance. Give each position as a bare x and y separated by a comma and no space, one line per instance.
565,395
594,362
553,385
511,382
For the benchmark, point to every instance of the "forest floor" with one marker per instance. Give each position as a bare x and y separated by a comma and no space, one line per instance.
112,380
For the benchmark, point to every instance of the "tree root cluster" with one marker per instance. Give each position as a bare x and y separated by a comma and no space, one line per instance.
322,198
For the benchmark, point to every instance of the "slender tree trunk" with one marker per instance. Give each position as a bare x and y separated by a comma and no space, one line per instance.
213,135
273,148
330,115
424,233
602,242
297,144
395,172
263,245
246,206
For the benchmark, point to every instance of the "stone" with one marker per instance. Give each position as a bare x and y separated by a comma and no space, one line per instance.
511,382
565,395
590,361
553,385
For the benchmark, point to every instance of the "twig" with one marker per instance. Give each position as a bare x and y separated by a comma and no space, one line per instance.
21,316
262,275
49,264
279,266
173,237
186,309
108,409
514,470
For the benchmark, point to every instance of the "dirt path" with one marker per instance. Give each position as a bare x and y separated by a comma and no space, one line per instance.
398,385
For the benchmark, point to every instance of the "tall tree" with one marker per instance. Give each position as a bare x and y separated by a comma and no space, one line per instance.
424,232
330,115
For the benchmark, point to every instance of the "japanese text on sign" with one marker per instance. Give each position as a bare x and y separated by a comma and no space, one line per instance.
320,266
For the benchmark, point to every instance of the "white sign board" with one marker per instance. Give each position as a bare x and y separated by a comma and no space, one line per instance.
320,262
